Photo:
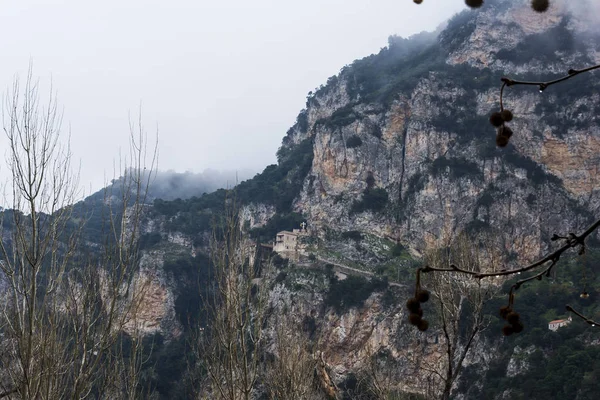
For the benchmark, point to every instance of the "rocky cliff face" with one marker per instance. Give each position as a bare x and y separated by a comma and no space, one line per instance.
402,157
425,139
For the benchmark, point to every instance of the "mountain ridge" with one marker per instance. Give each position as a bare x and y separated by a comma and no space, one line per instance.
394,156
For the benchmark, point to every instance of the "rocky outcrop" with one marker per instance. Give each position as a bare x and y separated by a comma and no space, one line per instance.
256,215
412,122
432,149
153,308
518,362
427,141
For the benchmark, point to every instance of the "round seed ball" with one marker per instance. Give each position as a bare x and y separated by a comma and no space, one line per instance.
540,5
512,318
505,131
504,311
496,119
414,319
423,295
501,141
413,305
508,330
507,115
518,327
474,3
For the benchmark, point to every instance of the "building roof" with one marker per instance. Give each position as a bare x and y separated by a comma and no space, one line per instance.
287,233
556,321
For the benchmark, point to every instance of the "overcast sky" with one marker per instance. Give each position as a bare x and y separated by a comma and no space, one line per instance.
222,80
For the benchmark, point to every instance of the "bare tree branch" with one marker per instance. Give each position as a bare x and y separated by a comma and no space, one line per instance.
65,306
571,241
544,84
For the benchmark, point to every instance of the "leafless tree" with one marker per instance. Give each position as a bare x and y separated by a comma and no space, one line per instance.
459,307
37,250
65,304
290,373
231,345
379,375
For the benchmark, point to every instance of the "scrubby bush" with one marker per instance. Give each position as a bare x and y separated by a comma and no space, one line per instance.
373,200
278,261
353,141
352,292
278,223
149,239
397,250
352,235
281,277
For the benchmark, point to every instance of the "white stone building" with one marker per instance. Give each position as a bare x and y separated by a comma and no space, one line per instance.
287,244
558,323
286,241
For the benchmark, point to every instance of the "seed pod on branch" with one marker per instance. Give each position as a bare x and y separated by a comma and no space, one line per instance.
518,327
474,3
506,115
414,319
413,305
501,141
504,311
423,296
505,131
513,317
540,5
508,330
496,119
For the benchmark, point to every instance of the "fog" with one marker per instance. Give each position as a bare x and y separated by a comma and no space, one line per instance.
170,185
587,11
221,81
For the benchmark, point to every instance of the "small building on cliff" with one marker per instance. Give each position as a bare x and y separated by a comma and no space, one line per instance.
287,244
558,323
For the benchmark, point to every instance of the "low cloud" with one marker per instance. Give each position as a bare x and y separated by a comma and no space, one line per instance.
171,185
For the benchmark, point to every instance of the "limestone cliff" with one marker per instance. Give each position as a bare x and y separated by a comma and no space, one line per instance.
396,154
421,119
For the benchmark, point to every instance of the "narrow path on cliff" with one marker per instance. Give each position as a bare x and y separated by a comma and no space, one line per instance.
344,269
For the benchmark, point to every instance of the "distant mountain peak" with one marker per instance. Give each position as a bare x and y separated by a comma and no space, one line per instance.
561,36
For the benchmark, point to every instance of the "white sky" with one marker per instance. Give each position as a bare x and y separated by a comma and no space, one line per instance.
223,80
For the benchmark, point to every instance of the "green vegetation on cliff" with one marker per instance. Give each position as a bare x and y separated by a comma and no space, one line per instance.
539,363
278,185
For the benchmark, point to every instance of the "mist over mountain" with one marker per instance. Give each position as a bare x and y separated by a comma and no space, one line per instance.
171,185
390,160
395,155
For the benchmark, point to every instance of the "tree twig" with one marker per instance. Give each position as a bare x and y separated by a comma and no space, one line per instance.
7,393
542,85
583,317
571,241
